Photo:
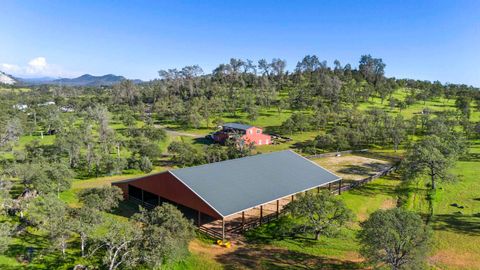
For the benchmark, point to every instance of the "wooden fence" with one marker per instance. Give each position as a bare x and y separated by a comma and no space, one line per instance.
253,223
210,232
334,154
364,181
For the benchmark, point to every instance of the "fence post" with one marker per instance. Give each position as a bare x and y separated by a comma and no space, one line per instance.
261,214
243,220
223,229
278,206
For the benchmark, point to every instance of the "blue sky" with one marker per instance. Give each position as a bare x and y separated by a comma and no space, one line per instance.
433,40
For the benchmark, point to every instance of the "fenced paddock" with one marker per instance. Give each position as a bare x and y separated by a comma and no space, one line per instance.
352,167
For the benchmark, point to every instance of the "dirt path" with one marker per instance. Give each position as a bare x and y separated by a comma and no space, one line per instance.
177,133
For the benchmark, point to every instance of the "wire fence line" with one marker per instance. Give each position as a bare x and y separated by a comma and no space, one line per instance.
339,153
364,181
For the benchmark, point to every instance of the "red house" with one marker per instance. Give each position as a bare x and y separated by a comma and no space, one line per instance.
249,134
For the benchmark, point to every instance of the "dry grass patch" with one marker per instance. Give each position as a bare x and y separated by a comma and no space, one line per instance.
454,260
209,250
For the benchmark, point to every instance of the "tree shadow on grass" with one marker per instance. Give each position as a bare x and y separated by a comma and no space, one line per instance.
202,141
260,257
465,224
471,157
376,166
374,189
36,248
275,130
266,113
356,170
126,209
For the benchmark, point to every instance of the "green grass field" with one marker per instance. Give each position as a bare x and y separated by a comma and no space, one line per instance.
456,220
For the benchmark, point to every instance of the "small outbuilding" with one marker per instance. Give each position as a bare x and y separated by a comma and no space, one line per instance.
225,191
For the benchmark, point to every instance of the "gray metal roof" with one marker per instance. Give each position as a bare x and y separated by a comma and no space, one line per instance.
235,185
237,126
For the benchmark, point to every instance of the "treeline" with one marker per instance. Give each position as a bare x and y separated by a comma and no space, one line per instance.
322,98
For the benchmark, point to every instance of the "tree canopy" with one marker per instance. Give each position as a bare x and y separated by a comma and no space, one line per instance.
321,214
395,237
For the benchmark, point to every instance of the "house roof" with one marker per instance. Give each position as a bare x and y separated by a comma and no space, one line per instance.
236,185
237,126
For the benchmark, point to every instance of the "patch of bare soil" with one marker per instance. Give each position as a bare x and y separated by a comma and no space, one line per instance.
242,256
453,259
362,216
264,257
388,204
352,167
210,250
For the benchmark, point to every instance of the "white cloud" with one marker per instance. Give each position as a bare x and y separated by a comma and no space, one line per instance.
9,68
37,67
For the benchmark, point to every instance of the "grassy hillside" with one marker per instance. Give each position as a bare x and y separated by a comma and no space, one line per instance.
456,216
456,220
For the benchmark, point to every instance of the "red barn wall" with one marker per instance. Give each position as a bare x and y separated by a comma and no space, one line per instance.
169,187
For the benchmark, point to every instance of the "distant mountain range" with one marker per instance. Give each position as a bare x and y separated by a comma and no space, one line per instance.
90,80
37,80
84,80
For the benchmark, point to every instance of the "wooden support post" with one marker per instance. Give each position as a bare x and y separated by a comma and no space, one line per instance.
293,197
340,187
261,214
243,220
199,219
223,229
329,186
278,207
318,189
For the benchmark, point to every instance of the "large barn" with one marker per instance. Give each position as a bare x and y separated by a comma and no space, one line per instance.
228,191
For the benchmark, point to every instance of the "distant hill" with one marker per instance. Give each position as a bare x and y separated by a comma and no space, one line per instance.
40,80
6,79
84,80
90,80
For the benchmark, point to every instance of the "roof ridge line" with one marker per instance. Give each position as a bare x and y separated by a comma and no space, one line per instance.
234,159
